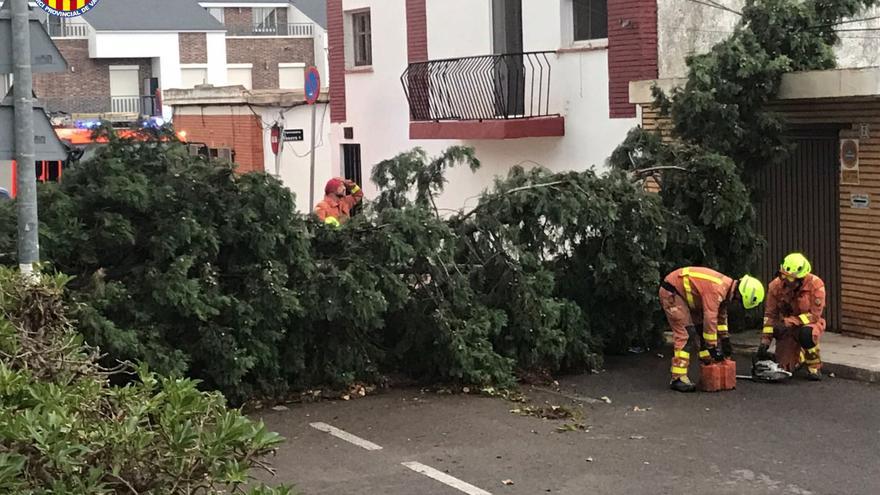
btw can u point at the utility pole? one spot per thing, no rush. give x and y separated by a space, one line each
312 161
28 223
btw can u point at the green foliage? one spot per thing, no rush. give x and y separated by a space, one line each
725 131
179 263
193 269
64 430
723 106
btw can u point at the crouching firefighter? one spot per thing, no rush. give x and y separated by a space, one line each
793 316
695 295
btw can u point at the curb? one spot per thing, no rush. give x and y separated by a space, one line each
843 371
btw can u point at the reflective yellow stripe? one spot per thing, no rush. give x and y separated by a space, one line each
711 337
768 331
805 318
722 328
689 294
683 354
703 276
679 371
686 275
704 354
813 361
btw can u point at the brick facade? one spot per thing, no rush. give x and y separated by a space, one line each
193 48
243 16
632 50
336 55
242 133
266 54
416 30
86 85
237 16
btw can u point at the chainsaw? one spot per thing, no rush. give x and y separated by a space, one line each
766 371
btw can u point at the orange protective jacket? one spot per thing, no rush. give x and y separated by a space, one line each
794 307
338 208
706 293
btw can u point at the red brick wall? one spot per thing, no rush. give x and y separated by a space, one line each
632 50
416 31
88 80
193 48
242 133
266 54
336 44
234 16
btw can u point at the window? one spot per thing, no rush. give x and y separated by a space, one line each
217 13
240 74
265 20
291 76
590 19
363 42
191 77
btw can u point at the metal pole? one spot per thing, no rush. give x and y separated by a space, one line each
312 160
28 224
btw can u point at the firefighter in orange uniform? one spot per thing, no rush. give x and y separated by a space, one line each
793 316
341 196
692 295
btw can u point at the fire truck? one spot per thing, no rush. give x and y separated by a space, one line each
80 141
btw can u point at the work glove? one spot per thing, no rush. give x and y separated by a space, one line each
763 353
726 347
716 354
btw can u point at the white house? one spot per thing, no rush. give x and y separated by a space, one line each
522 81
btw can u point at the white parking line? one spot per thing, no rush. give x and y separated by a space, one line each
445 478
344 435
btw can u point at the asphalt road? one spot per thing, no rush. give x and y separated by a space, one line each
795 438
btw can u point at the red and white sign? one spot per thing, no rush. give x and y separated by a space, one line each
275 138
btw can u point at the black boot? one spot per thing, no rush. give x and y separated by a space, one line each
682 384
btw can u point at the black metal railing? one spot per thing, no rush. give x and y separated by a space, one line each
486 87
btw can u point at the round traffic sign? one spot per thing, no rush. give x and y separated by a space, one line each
313 85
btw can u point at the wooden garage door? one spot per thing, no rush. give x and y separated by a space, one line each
798 210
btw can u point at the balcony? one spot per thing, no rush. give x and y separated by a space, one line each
112 108
295 30
485 97
67 30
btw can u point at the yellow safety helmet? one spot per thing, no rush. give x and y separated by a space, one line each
332 222
752 291
795 266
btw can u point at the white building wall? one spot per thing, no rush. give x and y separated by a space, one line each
216 44
378 111
295 160
163 48
688 28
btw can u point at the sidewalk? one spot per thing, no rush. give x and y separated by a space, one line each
846 357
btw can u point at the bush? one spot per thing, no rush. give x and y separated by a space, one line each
194 270
179 263
64 430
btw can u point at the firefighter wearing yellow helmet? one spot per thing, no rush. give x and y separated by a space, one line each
694 295
793 316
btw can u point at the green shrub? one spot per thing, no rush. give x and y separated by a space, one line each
64 430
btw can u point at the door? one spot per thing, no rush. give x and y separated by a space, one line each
351 167
798 210
351 162
507 37
124 89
